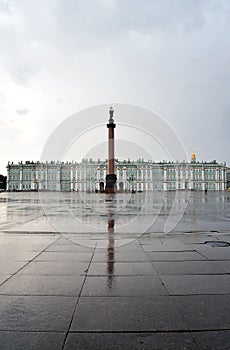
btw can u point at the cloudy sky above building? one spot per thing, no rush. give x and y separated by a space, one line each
58 57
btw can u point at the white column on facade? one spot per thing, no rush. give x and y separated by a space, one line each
75 177
222 174
223 186
117 172
186 178
8 179
191 179
46 178
124 174
36 181
124 178
20 178
223 180
32 183
177 177
58 179
71 179
145 179
151 180
165 180
217 179
80 178
182 179
202 179
142 174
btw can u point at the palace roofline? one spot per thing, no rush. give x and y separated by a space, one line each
117 161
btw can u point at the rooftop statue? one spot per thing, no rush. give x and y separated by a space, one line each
111 111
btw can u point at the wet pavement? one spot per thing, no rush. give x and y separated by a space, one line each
62 287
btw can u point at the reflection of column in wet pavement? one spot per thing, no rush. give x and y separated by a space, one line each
110 251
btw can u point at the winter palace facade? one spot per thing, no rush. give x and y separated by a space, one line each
137 175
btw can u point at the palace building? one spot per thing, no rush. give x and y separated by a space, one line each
140 175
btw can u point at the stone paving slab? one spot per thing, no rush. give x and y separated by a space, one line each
214 253
225 265
121 269
84 241
175 256
224 237
43 285
188 267
131 247
204 312
119 257
3 278
198 238
18 255
71 247
62 240
126 314
127 341
164 245
123 286
27 242
197 284
118 296
10 267
215 340
56 268
64 256
33 313
10 340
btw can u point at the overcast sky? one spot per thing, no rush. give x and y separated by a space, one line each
58 57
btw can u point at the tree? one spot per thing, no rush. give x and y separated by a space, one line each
2 182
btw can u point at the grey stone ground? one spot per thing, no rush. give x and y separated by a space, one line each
157 291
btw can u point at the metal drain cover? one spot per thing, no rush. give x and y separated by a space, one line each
217 243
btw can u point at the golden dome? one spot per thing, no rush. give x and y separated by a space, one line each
193 155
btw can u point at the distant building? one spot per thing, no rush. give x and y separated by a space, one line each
139 175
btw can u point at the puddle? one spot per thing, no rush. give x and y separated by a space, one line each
217 243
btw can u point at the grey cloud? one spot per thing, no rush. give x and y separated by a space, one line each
93 23
5 6
22 111
67 27
171 55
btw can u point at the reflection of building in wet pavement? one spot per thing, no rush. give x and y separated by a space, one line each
140 175
87 213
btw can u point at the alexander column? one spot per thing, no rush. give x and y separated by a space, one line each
110 177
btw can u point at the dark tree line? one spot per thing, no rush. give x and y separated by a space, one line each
2 182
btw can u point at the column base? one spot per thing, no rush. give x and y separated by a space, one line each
110 183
